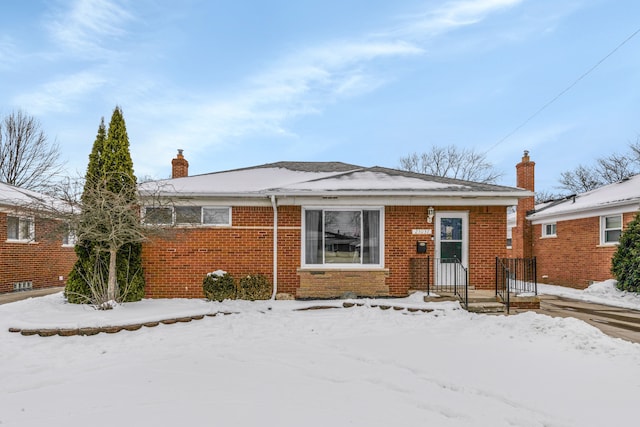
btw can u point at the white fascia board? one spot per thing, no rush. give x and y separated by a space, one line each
222 200
613 209
393 201
516 194
345 198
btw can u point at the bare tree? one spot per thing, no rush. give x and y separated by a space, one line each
27 158
547 196
580 180
452 162
635 149
607 170
109 219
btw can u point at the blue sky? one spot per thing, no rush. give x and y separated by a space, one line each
243 82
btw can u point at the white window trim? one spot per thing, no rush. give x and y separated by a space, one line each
157 224
603 230
32 230
187 225
544 230
325 266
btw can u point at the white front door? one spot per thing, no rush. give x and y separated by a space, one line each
451 245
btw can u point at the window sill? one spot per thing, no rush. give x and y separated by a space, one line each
553 236
608 245
22 242
311 269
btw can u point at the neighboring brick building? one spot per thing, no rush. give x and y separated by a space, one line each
339 229
33 253
574 238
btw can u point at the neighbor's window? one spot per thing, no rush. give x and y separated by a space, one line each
188 215
549 230
20 229
610 229
69 238
342 236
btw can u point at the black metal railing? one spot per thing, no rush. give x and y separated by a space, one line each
449 275
515 275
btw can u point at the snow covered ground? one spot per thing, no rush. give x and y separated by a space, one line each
601 293
271 365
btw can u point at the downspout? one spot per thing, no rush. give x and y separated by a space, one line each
274 205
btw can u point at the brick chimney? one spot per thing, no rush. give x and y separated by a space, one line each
179 166
522 237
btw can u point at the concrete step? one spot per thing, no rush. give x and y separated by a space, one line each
482 299
441 298
486 307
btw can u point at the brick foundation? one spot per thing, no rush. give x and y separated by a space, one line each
325 283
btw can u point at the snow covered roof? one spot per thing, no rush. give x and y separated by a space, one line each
622 196
323 178
11 196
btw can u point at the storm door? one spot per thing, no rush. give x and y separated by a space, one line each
451 246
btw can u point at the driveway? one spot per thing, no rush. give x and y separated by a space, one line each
616 322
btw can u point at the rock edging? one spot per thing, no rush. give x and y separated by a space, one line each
88 331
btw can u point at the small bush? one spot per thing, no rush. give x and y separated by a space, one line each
219 286
255 287
626 260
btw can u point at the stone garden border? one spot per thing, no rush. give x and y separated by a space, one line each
89 331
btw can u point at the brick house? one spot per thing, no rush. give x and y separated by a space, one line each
33 253
321 229
574 238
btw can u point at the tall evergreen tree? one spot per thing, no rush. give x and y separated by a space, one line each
109 172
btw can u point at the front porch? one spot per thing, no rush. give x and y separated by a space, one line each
486 301
515 285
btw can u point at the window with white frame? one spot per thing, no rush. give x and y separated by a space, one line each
610 229
342 236
69 237
188 215
549 230
216 216
158 216
20 229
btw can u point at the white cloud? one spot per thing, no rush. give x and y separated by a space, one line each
87 24
451 16
300 84
8 52
56 95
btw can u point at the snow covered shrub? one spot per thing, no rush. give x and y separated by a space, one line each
626 260
254 287
218 286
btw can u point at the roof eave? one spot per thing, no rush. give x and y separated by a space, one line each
539 217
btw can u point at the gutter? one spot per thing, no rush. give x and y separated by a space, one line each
274 205
543 215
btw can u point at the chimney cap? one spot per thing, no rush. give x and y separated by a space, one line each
180 150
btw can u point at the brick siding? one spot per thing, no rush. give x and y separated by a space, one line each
176 263
575 257
42 262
